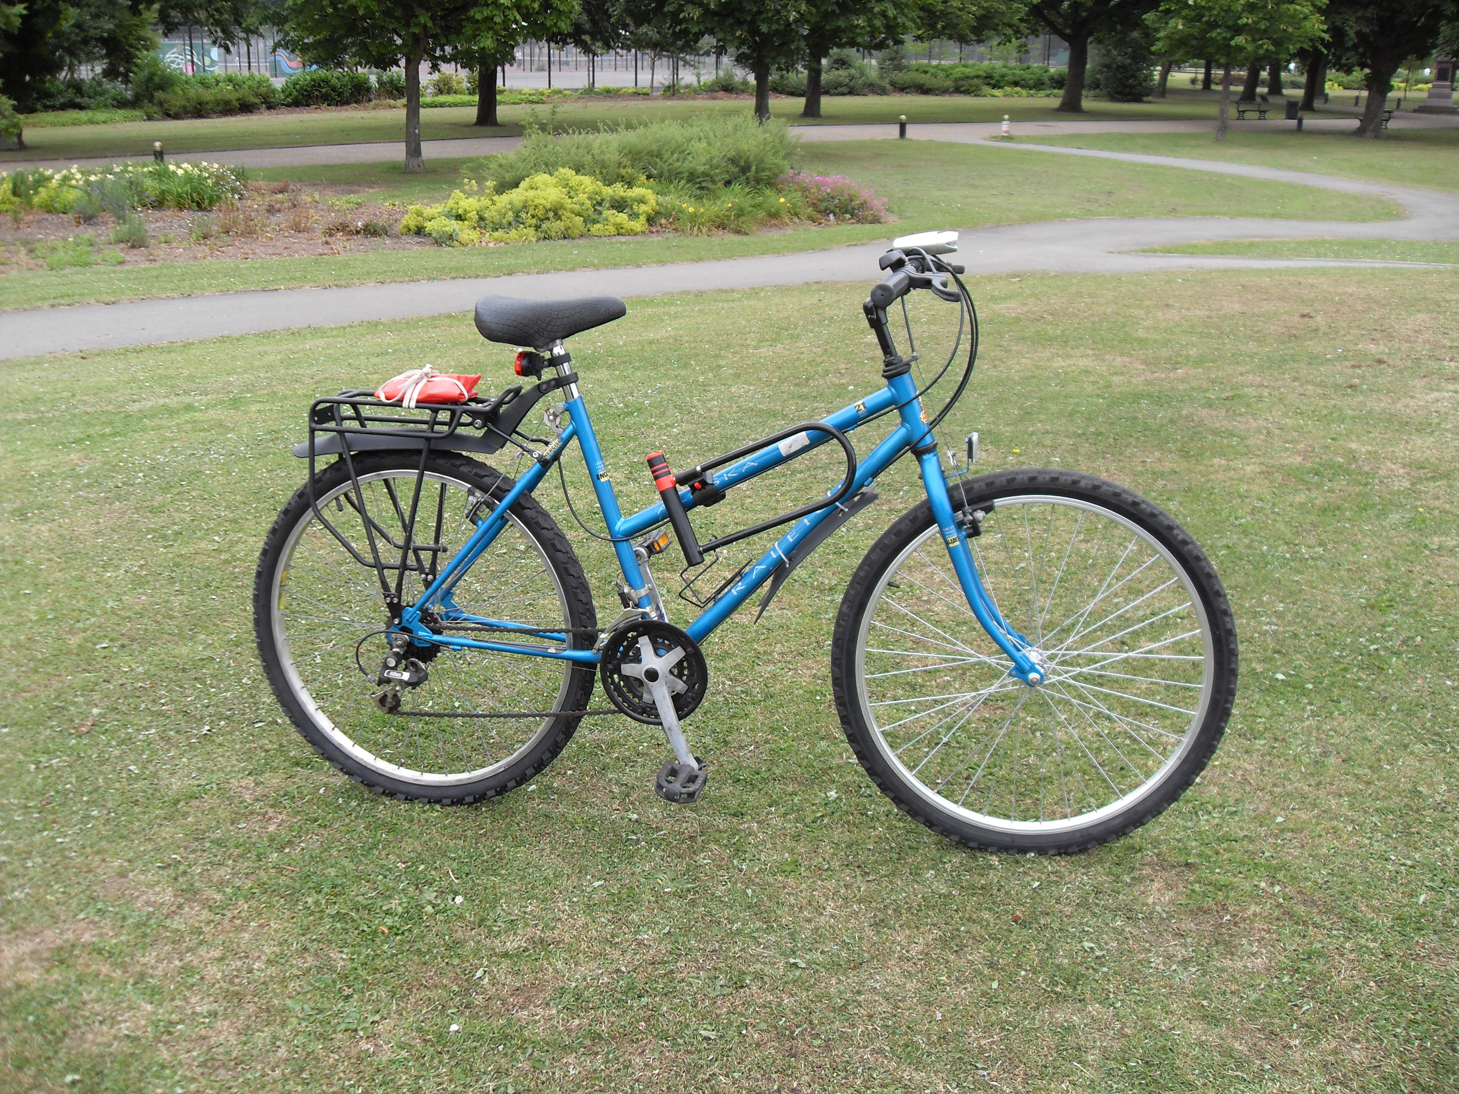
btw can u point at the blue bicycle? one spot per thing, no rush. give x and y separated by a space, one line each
1031 661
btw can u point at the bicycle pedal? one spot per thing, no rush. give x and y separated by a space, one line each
681 783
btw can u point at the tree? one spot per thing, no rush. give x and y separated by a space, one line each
493 36
110 35
1381 36
1234 33
1076 21
837 24
27 58
404 33
761 35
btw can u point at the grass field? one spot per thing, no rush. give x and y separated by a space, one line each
191 900
352 126
1388 250
929 185
1405 157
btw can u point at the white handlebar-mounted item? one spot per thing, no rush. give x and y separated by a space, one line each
934 243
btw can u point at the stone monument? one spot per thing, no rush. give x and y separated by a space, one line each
1441 93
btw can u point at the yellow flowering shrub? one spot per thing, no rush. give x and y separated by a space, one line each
562 205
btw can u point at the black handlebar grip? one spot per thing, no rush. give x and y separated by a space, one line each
891 288
668 490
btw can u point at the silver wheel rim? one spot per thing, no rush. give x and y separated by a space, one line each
1127 643
316 642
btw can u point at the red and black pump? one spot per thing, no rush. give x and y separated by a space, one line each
668 489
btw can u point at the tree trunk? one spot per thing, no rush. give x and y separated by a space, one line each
1253 82
1223 111
1206 79
486 93
812 87
762 92
415 159
1316 66
1380 83
1274 78
1165 67
1073 99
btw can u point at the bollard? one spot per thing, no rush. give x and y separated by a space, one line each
1007 133
157 151
1299 123
902 127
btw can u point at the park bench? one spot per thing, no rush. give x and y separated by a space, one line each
1261 106
1387 117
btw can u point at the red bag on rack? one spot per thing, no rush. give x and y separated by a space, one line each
426 385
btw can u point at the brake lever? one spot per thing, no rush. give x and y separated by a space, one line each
938 284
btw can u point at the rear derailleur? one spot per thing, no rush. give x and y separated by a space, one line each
398 671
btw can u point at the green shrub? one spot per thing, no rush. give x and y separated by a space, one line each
917 82
702 153
845 73
979 77
737 209
152 78
561 205
727 84
130 230
1122 67
212 95
448 83
787 83
390 85
11 126
326 87
76 93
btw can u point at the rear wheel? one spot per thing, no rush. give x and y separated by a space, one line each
482 722
1128 617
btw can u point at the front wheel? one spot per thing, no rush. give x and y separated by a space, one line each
1122 607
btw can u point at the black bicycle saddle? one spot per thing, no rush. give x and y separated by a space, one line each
542 323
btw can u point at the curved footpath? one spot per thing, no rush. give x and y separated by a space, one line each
1064 246
1331 120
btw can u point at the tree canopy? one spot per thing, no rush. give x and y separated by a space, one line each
1235 34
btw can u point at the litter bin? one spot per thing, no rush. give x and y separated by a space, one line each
1292 108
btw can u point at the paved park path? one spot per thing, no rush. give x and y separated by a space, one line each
466 147
1065 246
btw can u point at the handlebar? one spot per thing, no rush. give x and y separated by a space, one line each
905 273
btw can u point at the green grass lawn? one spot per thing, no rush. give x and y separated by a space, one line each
929 185
352 126
190 899
1388 250
1406 157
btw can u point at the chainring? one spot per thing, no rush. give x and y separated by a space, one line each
629 694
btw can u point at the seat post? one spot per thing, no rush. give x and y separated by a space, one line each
561 362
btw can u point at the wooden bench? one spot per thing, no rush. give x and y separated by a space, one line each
1387 117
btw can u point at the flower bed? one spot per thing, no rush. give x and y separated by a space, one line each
125 185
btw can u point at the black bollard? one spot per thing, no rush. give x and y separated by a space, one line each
902 127
157 151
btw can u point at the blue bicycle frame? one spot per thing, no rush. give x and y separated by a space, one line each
911 433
